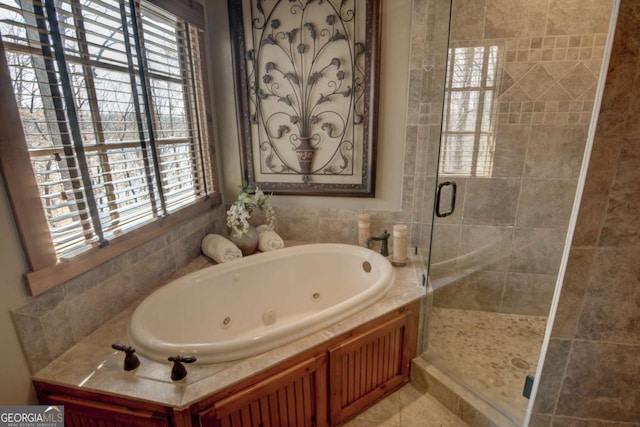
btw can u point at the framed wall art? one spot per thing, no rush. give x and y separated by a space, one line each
306 77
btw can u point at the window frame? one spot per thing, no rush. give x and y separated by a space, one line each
45 270
475 168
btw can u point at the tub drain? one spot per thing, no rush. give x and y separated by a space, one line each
521 364
366 266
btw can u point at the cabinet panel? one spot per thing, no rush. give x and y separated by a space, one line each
83 413
294 397
368 366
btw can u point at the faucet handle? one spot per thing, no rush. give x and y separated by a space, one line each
178 371
131 361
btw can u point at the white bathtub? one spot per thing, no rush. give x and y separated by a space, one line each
254 304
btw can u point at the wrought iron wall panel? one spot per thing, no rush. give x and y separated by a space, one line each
306 92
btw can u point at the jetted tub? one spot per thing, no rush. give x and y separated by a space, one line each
254 304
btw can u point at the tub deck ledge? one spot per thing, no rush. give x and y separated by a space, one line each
92 364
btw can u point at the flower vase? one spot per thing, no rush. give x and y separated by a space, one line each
247 242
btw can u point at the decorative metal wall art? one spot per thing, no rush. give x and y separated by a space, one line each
306 89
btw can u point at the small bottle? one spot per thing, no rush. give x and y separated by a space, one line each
364 228
399 244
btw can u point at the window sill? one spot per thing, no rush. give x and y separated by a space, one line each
42 280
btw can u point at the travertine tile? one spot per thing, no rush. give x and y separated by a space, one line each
595 198
556 92
546 202
574 287
528 294
41 305
467 19
93 308
618 93
552 374
518 69
357 422
491 201
578 80
410 149
484 248
444 242
511 146
622 223
539 420
536 81
521 18
489 353
385 412
33 340
82 283
576 422
610 311
578 16
537 250
609 392
416 95
555 151
471 290
187 248
418 409
57 331
301 226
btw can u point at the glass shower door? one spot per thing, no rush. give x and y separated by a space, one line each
517 100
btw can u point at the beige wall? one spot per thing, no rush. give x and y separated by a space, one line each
328 218
591 370
15 386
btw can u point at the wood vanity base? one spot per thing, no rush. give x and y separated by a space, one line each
323 386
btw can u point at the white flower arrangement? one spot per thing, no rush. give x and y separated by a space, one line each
240 212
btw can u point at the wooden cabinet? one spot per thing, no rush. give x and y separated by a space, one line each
86 409
325 385
366 367
293 397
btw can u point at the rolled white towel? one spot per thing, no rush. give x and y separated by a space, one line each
219 248
269 241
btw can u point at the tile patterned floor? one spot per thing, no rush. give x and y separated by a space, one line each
407 407
489 353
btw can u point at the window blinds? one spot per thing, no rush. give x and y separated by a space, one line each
468 139
111 100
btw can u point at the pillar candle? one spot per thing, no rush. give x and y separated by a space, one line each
364 228
400 242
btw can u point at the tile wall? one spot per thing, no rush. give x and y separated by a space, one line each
509 231
591 371
50 324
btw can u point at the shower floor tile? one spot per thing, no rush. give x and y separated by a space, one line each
489 353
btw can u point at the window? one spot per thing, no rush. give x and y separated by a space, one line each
468 143
111 98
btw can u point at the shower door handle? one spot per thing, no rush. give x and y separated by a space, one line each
454 189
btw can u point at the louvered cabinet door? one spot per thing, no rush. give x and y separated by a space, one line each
94 413
295 397
368 366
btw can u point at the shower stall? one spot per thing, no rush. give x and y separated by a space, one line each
502 94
